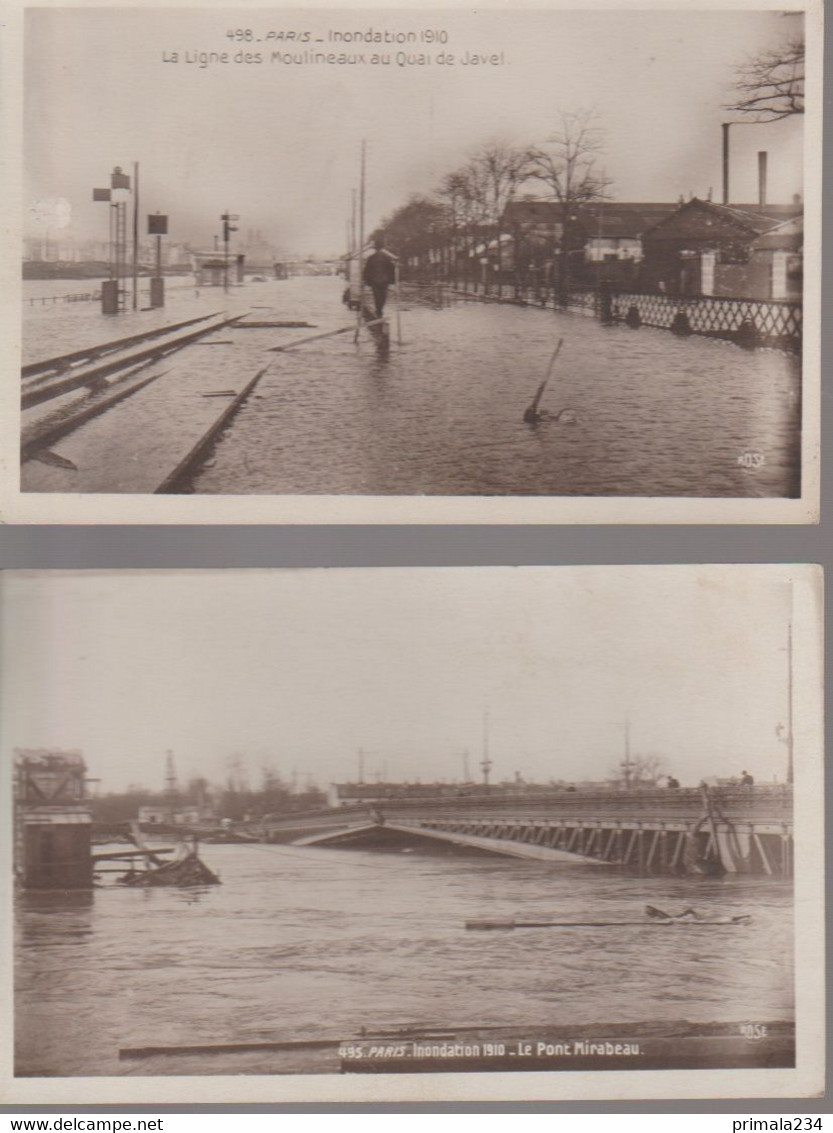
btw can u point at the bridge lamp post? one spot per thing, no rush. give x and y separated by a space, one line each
627 763
486 764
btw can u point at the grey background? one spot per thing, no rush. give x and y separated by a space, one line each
114 547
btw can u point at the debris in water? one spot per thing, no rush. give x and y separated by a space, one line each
188 870
532 414
45 456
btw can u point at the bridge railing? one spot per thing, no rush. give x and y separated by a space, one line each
740 803
737 804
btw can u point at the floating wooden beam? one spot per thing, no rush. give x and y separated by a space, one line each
509 923
127 854
261 325
311 338
226 1048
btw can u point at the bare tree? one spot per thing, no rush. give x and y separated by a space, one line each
464 192
568 167
497 170
641 770
415 230
771 85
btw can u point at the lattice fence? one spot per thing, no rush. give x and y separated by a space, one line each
766 322
750 322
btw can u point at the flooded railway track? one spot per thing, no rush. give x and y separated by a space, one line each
67 398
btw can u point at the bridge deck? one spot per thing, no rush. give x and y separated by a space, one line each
735 829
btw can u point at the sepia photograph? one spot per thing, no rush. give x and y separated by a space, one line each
410 265
413 834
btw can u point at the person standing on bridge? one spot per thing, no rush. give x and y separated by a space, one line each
379 274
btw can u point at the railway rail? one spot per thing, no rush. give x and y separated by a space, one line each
64 361
179 410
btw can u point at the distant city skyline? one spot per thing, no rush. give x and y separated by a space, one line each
300 669
278 142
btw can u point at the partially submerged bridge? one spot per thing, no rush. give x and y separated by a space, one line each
703 830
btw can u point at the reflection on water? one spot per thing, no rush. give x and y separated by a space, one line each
300 943
443 413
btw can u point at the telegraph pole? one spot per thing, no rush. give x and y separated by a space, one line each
135 235
790 702
360 254
486 762
228 227
171 786
627 762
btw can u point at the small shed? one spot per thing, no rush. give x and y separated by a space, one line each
778 256
704 248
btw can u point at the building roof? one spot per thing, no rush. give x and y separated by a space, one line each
532 212
774 212
751 219
623 219
786 237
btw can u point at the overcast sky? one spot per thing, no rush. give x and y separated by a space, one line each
301 668
279 143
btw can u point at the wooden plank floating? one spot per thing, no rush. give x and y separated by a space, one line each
286 1044
312 338
485 926
188 465
227 1048
688 918
261 325
64 361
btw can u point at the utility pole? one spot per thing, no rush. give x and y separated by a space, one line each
228 227
627 763
135 235
790 702
360 253
486 762
171 787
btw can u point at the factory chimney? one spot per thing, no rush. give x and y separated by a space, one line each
761 177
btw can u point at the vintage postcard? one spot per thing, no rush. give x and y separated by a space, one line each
413 834
347 264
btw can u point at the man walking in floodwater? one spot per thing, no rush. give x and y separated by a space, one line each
379 274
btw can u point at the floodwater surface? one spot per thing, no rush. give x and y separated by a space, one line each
301 943
441 413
